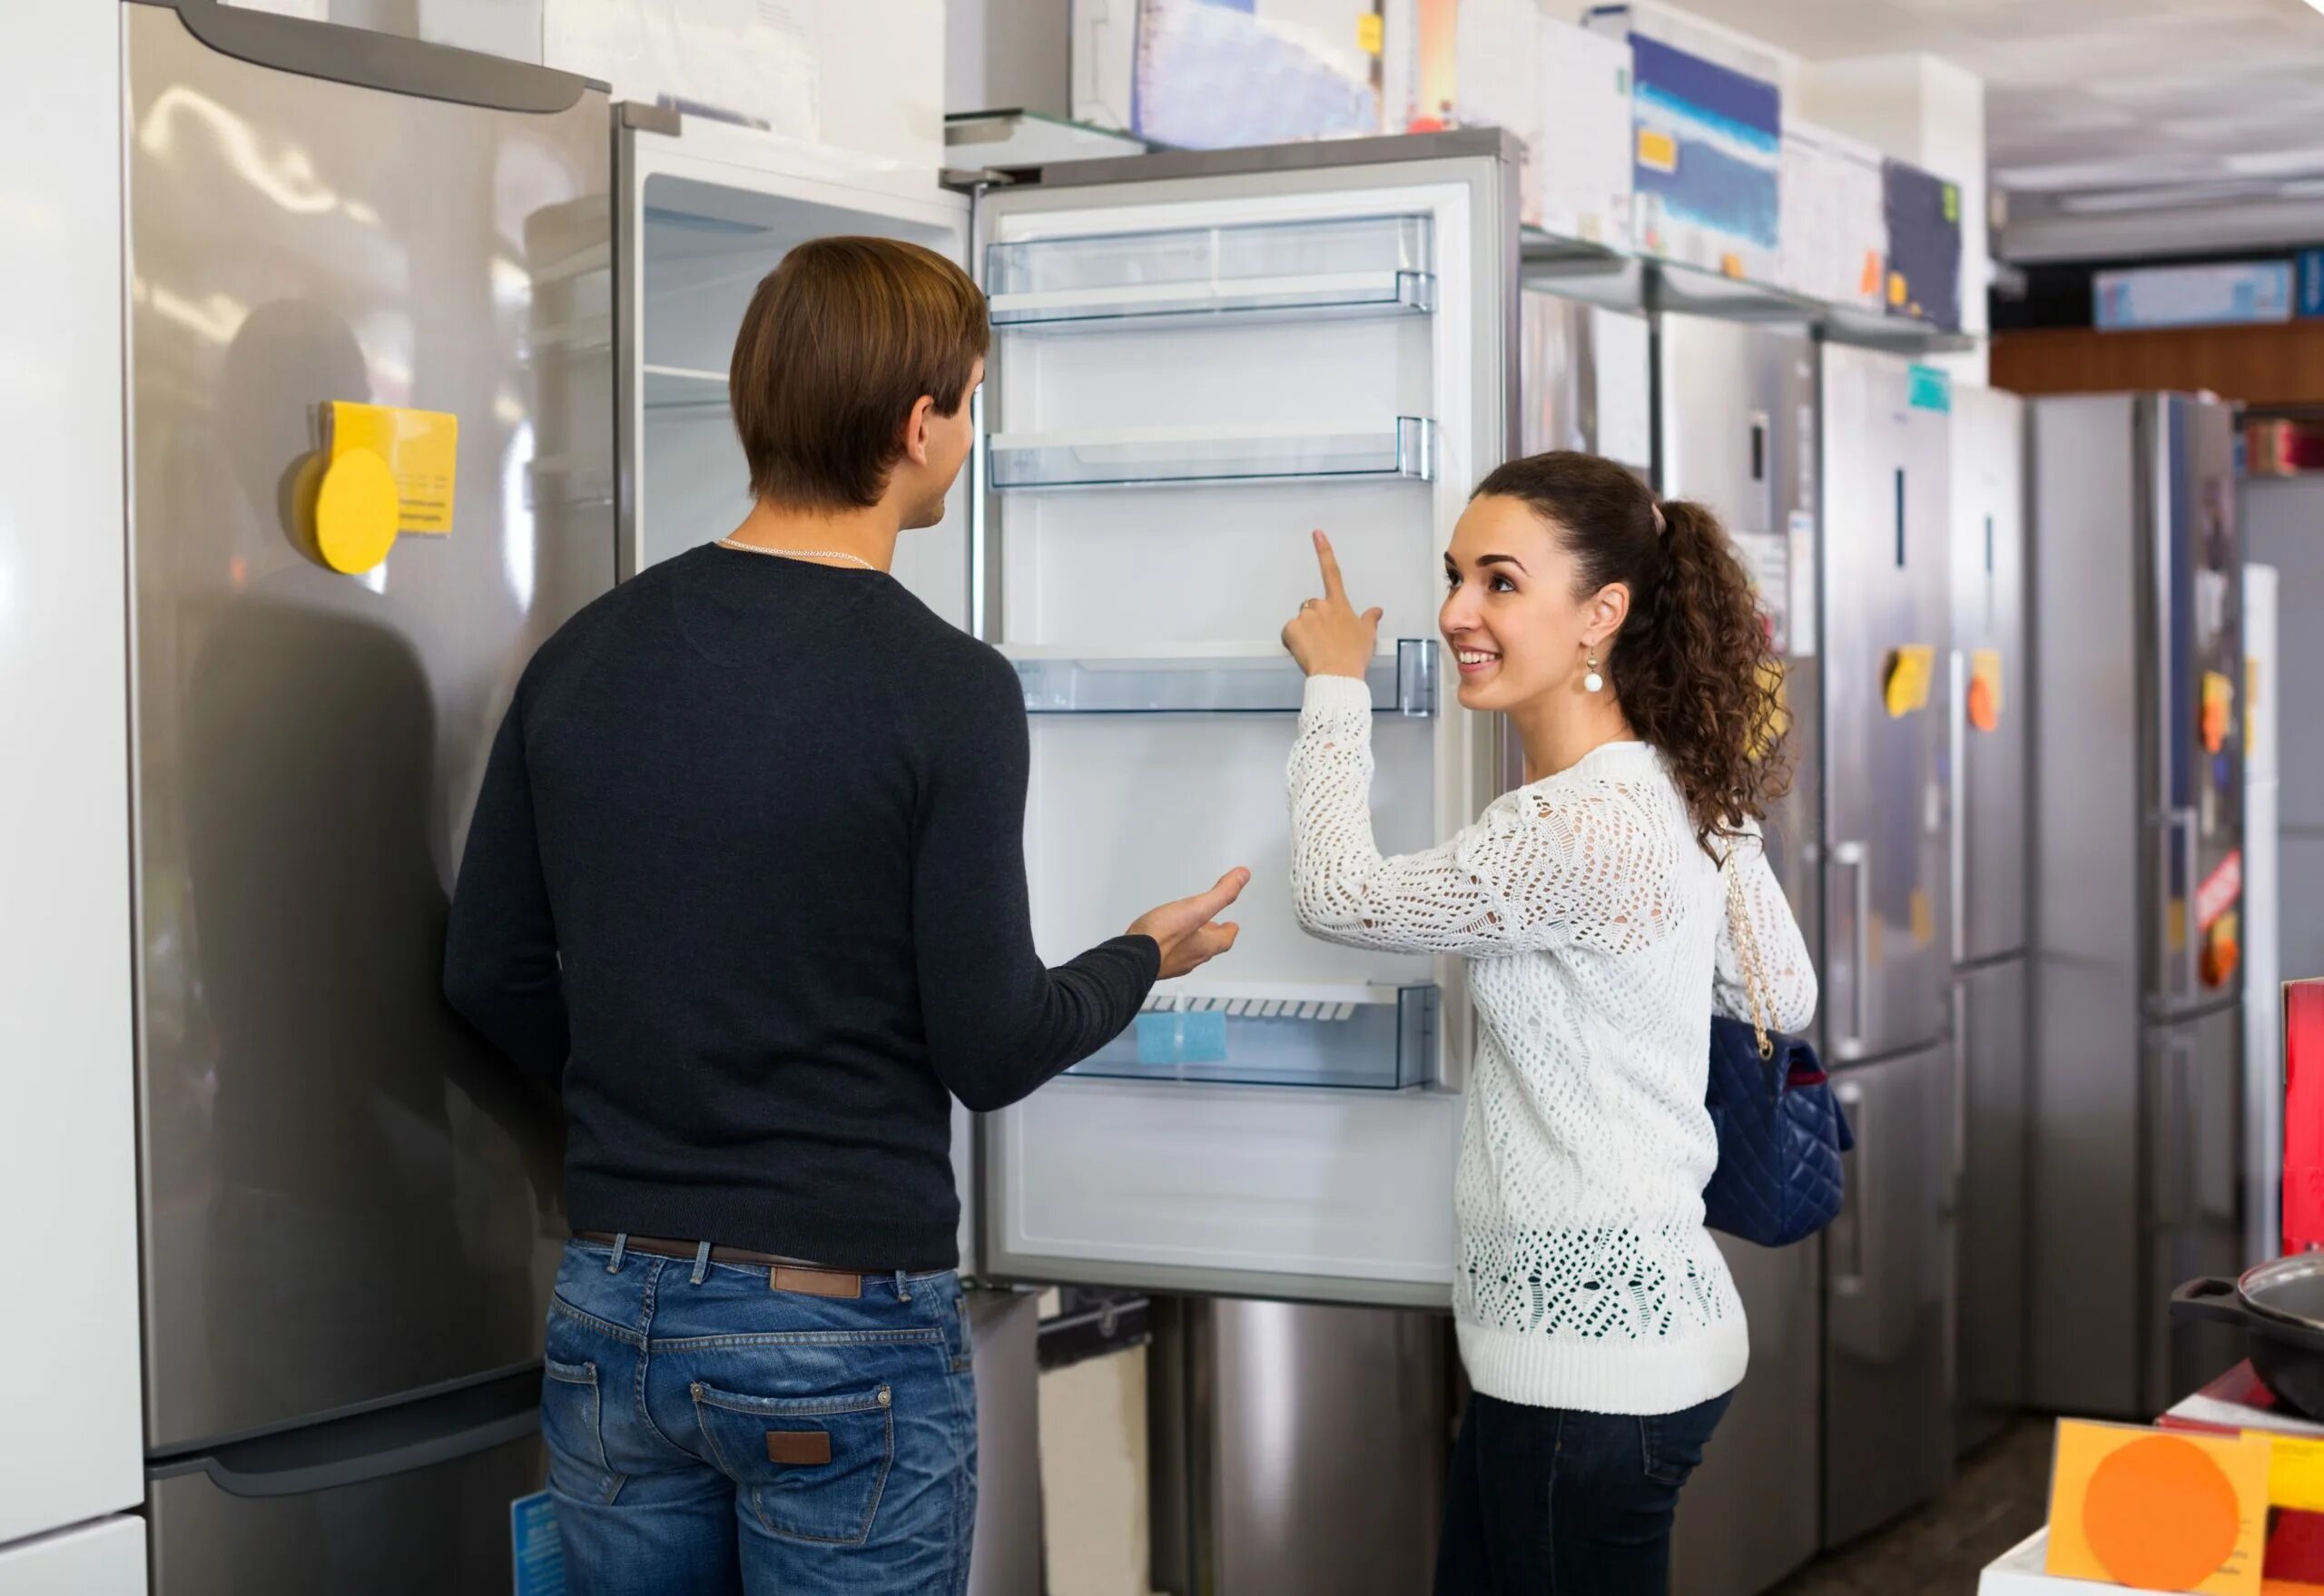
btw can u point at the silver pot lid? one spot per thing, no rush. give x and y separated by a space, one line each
2288 1289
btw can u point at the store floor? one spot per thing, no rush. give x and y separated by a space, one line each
1999 1496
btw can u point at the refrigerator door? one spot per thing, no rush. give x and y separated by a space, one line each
1886 578
2193 1203
703 211
2263 1058
1992 1036
1888 1372
413 1498
1737 412
2194 665
1586 378
1197 356
1752 1507
325 1144
1990 685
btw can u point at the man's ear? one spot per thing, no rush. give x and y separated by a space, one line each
915 430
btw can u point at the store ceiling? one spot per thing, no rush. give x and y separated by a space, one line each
2091 95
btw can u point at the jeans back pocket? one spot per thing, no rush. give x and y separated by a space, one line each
811 1467
572 1423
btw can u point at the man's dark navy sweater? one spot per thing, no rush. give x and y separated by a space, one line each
746 881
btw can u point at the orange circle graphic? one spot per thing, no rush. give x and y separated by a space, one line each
2160 1515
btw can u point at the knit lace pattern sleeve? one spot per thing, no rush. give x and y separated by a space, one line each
1573 859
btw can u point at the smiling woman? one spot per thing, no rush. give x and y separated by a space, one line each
1600 908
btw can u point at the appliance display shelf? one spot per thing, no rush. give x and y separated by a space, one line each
1210 679
1404 449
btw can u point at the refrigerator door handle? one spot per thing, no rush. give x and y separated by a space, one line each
1847 1253
1958 782
2175 967
1852 856
2179 1094
1960 1088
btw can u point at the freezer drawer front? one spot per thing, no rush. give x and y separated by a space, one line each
1751 1510
1191 342
103 1559
1888 1395
2194 1079
1886 577
443 1531
1990 687
1992 1040
325 1143
1252 1191
2195 644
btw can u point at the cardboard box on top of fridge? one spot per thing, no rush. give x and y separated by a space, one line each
1924 224
1834 230
1581 169
1211 74
1706 113
835 72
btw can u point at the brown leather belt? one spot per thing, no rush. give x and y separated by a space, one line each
782 1274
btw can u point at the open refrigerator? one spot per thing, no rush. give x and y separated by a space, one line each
1197 358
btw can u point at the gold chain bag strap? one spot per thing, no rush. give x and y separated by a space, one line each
1747 949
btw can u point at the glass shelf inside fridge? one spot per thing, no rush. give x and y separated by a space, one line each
1201 679
1375 1038
1339 267
1404 447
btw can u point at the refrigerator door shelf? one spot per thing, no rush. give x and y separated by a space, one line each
1373 1037
1340 266
1157 456
1195 680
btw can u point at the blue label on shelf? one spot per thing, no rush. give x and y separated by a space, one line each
2310 266
1932 389
1196 1037
537 1554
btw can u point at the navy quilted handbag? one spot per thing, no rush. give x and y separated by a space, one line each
1781 1129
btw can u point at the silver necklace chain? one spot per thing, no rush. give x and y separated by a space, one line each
798 554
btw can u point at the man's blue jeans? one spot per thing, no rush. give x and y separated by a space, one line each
710 1435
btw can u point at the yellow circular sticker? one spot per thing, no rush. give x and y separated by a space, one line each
354 512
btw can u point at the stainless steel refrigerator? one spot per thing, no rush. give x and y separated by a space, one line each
350 1212
1735 407
1987 703
2138 784
1887 967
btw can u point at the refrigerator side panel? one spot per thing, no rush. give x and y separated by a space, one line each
2194 638
1990 681
69 1399
2263 1077
326 1143
1888 1297
2085 1197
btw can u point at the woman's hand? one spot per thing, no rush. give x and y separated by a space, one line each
1327 637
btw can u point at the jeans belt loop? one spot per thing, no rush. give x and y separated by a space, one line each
701 1262
621 1245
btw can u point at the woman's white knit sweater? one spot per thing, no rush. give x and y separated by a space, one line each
1597 936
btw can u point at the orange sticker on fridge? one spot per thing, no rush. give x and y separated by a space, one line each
2158 1510
1983 707
2219 709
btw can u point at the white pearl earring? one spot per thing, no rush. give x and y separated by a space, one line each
1593 681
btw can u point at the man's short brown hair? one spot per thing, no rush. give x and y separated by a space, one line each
841 340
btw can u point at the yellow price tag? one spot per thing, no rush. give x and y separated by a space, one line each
1907 680
2295 1474
1370 34
1896 288
421 449
1983 709
1657 151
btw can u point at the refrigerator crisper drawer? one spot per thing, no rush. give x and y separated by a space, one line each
1358 266
1372 1037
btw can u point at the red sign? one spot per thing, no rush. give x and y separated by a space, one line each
2303 1195
2220 891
